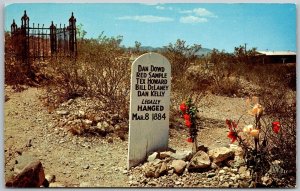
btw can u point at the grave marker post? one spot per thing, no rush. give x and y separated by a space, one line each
149 106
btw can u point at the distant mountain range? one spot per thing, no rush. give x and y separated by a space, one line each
204 51
201 52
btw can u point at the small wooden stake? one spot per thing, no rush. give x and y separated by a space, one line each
195 146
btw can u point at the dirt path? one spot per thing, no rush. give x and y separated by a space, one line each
32 132
88 161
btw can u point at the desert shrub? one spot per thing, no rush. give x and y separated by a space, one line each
242 55
224 78
274 81
16 71
279 101
280 104
19 70
66 80
180 56
101 70
283 147
228 86
269 144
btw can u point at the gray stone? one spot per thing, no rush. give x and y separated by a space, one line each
185 155
50 178
97 119
238 161
156 173
156 162
221 178
87 122
238 151
210 175
178 165
149 171
117 127
244 184
62 112
222 171
252 184
152 183
171 171
80 114
133 183
104 126
29 144
225 185
199 161
70 101
86 166
220 154
165 154
163 169
267 180
100 126
214 166
152 157
233 178
242 169
244 173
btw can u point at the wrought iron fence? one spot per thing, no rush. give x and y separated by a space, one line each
40 42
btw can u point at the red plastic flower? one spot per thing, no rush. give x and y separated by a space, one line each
187 117
231 124
183 107
276 126
190 140
188 123
232 135
234 124
228 122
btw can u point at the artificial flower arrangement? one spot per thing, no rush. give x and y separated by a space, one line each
256 153
189 111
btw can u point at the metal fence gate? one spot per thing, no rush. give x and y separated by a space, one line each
40 42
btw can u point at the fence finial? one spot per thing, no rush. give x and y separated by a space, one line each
39 37
13 27
25 16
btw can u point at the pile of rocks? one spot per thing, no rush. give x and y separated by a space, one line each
218 167
83 116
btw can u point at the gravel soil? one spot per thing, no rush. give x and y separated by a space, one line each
34 132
